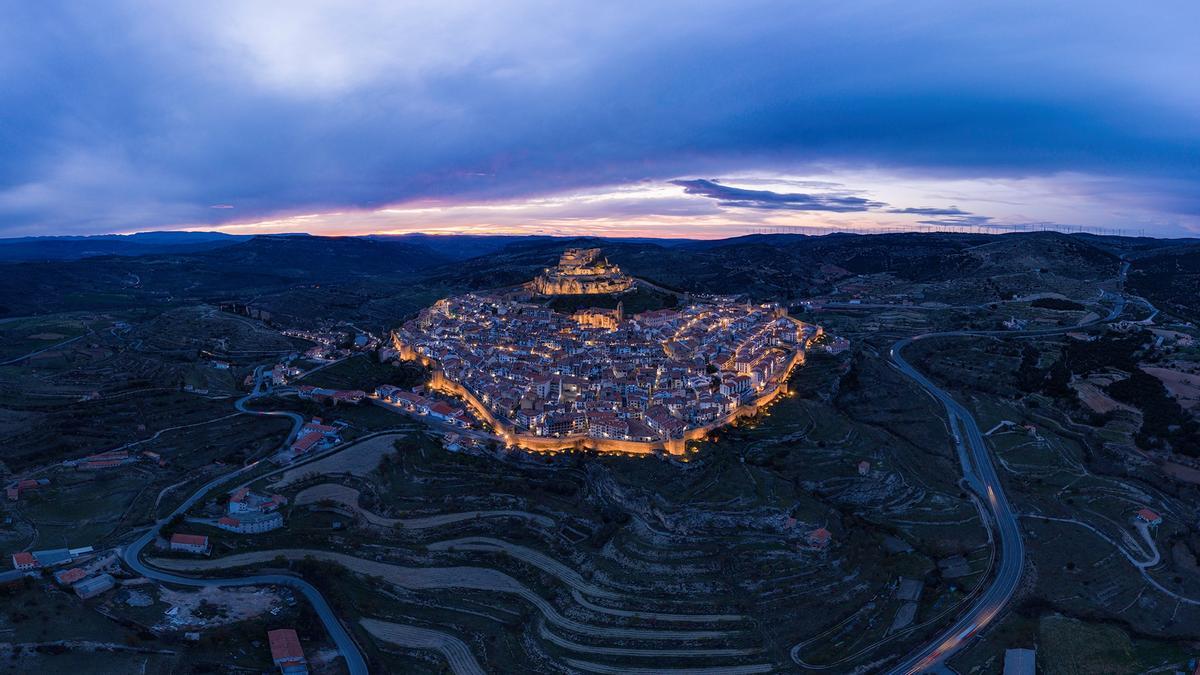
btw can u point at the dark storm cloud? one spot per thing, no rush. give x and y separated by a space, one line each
766 199
126 115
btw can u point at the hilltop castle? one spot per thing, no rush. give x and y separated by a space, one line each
582 271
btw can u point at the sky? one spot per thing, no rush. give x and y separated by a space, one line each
657 119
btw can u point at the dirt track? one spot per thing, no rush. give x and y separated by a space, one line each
462 662
428 578
348 497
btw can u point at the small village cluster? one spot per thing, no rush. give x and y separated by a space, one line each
333 344
247 512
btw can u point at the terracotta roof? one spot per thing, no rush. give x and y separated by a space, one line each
1148 515
189 539
307 441
102 464
285 645
24 558
68 577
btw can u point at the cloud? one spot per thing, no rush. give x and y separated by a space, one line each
766 199
960 221
303 107
931 211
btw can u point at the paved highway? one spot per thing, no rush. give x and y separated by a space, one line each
131 555
980 474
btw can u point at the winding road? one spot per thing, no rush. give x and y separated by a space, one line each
980 474
131 554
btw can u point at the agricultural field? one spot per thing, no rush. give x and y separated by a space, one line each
529 534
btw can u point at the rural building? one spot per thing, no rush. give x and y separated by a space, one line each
307 442
313 435
1149 517
69 576
103 460
819 538
24 561
190 543
90 588
52 557
286 651
251 523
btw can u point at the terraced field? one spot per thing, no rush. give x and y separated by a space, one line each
583 564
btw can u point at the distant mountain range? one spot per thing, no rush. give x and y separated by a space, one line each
144 243
457 247
386 276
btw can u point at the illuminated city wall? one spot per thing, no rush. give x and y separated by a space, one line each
512 436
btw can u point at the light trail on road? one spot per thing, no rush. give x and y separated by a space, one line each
980 474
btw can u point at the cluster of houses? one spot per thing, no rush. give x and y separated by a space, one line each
313 436
86 584
648 377
282 373
26 560
414 402
252 513
331 344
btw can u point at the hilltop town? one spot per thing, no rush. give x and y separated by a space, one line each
656 377
448 468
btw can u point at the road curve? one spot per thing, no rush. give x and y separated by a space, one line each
980 474
260 389
131 556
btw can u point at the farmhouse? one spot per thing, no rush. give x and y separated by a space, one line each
190 543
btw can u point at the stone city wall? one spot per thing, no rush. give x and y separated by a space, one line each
511 435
